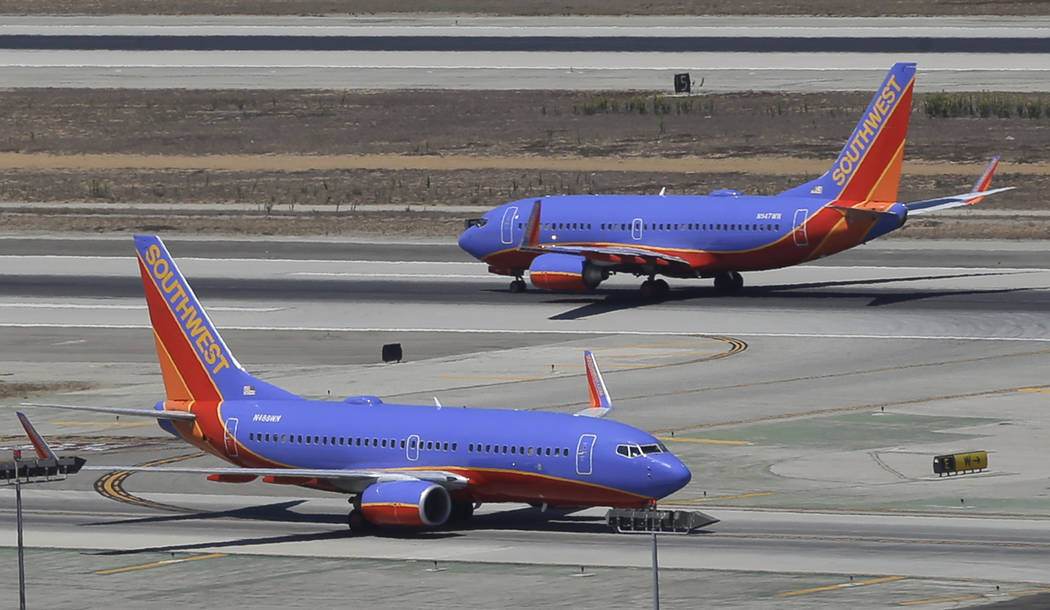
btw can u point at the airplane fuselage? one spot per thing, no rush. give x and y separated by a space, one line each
725 231
508 456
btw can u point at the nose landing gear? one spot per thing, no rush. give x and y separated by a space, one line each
654 289
728 282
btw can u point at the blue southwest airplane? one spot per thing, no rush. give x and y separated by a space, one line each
574 242
401 465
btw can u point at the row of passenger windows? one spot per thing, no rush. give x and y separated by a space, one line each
517 450
352 441
661 226
360 441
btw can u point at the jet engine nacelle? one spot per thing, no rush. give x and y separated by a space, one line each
565 272
406 503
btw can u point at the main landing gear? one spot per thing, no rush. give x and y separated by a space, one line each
728 282
356 519
518 285
654 289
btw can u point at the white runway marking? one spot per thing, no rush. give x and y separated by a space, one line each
520 331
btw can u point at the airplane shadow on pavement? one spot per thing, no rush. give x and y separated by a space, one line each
618 300
521 519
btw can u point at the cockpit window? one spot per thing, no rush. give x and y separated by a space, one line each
630 451
475 222
657 448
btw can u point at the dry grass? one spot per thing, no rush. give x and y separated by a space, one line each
25 390
271 146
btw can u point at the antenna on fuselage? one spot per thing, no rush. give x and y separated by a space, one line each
662 191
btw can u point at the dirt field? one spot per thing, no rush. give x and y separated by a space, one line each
348 150
540 7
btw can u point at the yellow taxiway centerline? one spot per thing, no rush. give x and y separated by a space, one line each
713 441
844 585
157 564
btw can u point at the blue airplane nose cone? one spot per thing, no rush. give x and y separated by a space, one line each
470 240
670 474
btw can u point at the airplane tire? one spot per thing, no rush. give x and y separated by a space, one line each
662 288
357 522
517 286
648 289
728 282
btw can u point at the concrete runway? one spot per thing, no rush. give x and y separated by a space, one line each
808 408
729 54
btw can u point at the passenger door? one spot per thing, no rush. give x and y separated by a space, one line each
506 232
801 239
412 448
229 437
584 453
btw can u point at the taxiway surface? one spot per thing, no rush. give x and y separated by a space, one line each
808 408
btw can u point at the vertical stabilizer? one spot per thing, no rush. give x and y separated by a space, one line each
869 166
195 362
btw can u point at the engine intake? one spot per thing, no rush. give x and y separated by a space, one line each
406 504
565 272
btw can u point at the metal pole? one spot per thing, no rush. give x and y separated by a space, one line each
656 576
21 559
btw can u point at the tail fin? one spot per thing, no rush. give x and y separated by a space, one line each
43 450
600 404
194 360
869 166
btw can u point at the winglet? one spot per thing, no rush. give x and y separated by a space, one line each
601 404
985 180
43 450
530 238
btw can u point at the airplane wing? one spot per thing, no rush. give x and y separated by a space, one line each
530 242
179 415
977 193
350 480
601 403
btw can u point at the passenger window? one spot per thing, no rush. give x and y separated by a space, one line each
547 451
565 451
445 447
284 438
504 449
453 446
530 450
488 448
383 444
402 443
430 445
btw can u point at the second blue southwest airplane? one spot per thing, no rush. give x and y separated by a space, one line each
401 465
574 242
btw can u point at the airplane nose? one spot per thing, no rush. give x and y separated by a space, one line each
468 241
671 474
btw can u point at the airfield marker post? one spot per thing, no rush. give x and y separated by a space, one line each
18 519
656 575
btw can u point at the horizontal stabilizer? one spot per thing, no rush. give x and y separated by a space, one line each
954 201
977 193
157 414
